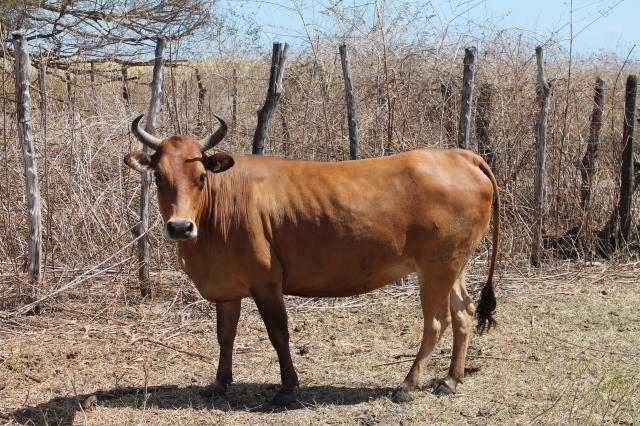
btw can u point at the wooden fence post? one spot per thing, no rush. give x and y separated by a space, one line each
25 135
467 97
483 121
71 98
69 82
144 247
126 93
626 172
186 100
94 90
588 164
275 91
234 106
202 93
351 103
92 79
544 91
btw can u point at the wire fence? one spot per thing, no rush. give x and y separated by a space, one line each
89 195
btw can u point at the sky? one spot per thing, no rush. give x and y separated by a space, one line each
598 25
610 25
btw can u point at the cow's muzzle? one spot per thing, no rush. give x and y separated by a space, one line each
180 229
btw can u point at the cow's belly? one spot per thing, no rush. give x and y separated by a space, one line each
341 282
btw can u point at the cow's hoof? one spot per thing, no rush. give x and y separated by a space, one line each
444 389
282 399
400 396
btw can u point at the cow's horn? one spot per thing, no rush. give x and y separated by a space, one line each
144 137
215 138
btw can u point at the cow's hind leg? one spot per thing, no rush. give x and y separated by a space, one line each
270 303
434 289
227 315
462 311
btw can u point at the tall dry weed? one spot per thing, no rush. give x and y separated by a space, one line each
407 98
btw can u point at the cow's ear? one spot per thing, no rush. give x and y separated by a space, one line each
219 162
138 160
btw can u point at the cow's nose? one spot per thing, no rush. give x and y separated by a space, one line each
180 229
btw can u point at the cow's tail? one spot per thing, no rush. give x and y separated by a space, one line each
487 302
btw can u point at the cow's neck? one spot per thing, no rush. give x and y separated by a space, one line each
216 209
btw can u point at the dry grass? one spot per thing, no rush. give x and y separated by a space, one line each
90 199
565 352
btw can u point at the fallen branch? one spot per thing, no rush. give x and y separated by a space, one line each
499 358
90 273
28 307
182 351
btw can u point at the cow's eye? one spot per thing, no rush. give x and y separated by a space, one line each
157 177
203 177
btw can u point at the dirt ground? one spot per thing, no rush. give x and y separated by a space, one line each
565 351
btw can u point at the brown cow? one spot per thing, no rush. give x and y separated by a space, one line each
261 227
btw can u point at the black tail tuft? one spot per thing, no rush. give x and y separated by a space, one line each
484 310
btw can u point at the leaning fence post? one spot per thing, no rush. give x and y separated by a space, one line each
626 172
467 97
144 247
351 103
544 91
25 135
275 91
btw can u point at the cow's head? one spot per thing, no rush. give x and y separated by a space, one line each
182 170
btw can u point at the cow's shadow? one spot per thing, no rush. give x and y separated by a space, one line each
240 397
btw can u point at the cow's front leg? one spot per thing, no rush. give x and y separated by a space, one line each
227 315
270 303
